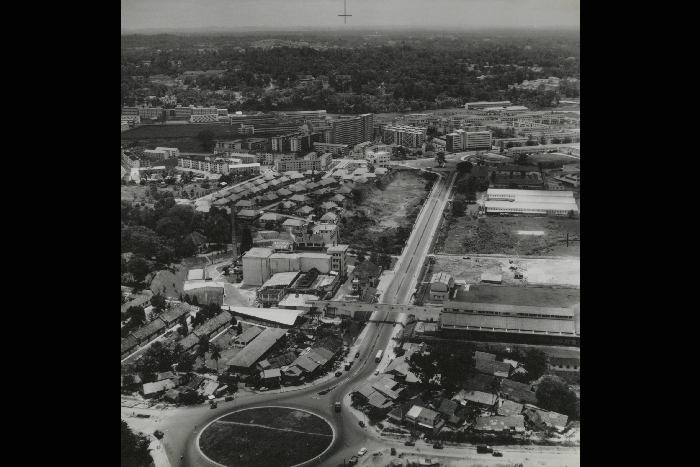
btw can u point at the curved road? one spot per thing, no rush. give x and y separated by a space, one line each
181 434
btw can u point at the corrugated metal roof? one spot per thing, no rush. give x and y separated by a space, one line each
282 278
254 350
248 334
512 205
508 309
510 192
507 323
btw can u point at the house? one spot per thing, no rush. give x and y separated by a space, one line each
481 382
271 378
304 211
511 424
542 419
171 316
338 199
492 367
507 408
265 343
329 217
245 204
365 275
484 356
565 364
214 325
128 345
165 375
398 415
156 389
447 407
248 215
295 226
478 399
517 392
270 217
148 332
197 239
423 417
441 284
328 205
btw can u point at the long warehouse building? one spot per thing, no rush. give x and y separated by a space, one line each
529 202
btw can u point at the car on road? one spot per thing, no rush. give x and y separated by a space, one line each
228 398
353 460
338 373
438 446
497 454
213 405
483 449
362 424
357 354
361 452
263 389
376 372
409 443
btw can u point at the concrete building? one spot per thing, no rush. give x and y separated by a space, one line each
339 150
412 137
477 140
528 208
311 161
485 105
260 264
378 159
352 130
441 284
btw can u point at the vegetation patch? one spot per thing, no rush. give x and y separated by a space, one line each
266 437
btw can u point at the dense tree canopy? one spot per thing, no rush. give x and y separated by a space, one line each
447 364
135 451
555 395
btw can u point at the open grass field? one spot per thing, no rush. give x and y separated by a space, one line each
172 281
500 235
563 272
265 437
182 137
554 157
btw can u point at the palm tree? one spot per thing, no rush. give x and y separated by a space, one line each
216 355
203 349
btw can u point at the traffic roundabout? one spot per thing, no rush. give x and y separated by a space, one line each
270 436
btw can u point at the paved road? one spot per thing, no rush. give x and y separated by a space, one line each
180 432
408 267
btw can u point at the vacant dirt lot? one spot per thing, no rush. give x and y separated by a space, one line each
564 272
532 296
500 235
391 207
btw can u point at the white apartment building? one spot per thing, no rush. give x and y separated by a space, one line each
169 152
206 111
342 150
404 135
154 154
207 118
477 140
378 159
311 161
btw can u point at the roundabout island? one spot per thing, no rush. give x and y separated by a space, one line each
265 437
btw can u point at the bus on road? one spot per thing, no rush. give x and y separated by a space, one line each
379 356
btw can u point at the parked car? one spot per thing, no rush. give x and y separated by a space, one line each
357 354
376 372
338 373
353 460
362 424
228 398
263 389
497 454
409 443
438 446
362 452
213 405
483 449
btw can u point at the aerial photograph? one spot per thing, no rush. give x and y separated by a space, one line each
350 233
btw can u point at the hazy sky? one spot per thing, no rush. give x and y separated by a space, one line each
147 14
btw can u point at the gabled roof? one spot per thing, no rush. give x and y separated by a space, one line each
484 355
366 269
151 388
252 352
294 223
305 210
447 407
497 424
329 216
492 367
508 408
151 328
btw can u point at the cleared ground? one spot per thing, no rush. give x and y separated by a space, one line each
182 136
266 437
565 272
500 235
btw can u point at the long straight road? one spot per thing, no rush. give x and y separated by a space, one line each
182 428
407 269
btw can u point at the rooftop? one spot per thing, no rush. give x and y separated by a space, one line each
275 315
254 350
